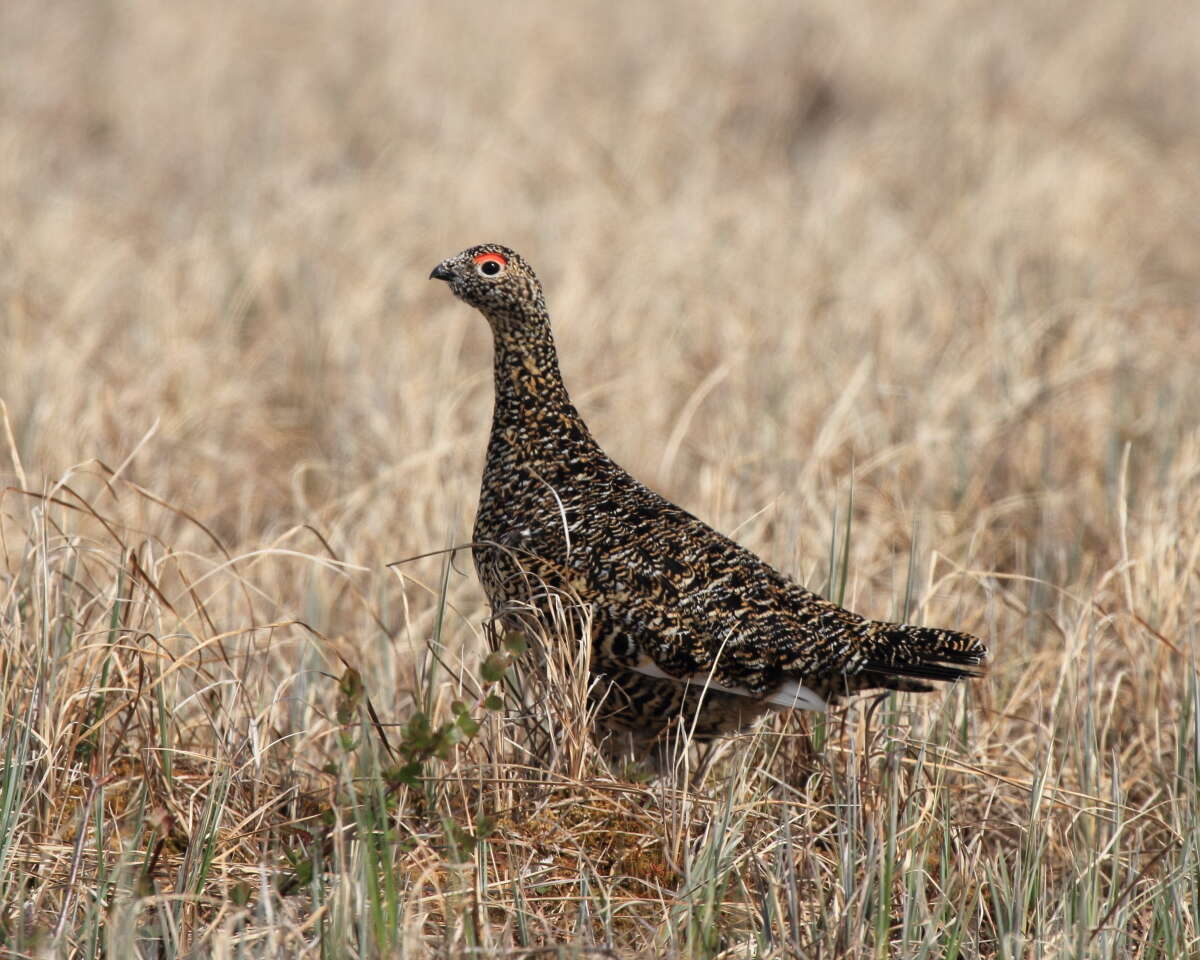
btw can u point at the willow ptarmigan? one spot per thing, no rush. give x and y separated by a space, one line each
686 624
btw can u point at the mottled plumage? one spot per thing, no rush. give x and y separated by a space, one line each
685 621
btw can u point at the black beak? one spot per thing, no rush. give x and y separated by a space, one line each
440 272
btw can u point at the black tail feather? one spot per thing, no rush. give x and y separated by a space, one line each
922 671
904 655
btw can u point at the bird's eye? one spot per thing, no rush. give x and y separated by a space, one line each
490 264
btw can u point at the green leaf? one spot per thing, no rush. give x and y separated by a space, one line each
494 666
418 734
493 702
350 695
468 725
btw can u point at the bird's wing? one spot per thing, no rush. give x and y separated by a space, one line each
704 609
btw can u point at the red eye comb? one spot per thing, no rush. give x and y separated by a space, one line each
484 257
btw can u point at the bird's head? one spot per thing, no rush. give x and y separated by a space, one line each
493 279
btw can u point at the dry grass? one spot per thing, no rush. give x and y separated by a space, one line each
948 254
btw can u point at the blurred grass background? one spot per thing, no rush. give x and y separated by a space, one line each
946 252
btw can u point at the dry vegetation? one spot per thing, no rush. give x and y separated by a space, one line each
944 256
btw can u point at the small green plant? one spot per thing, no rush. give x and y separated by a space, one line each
423 740
371 800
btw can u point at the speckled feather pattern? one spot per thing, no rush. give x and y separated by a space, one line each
667 593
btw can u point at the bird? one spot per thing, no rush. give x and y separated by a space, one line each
687 626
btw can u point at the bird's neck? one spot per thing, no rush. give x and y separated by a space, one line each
531 400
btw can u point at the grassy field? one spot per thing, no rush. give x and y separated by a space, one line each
902 296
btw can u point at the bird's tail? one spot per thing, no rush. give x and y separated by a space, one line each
903 657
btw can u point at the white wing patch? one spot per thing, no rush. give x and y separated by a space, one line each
792 695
